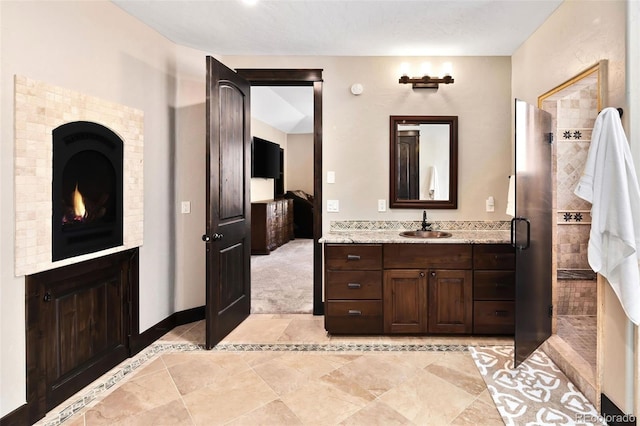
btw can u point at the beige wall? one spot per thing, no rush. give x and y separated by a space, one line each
576 36
95 48
299 165
356 129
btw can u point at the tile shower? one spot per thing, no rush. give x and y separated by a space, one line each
574 111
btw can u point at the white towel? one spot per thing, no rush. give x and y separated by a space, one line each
434 186
511 197
610 183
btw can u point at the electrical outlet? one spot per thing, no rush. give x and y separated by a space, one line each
490 204
382 205
186 207
333 206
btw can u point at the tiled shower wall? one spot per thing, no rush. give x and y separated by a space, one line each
40 108
575 116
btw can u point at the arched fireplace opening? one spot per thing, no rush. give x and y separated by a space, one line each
87 189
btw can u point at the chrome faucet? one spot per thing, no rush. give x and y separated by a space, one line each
425 226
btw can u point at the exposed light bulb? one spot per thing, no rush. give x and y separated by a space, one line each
447 69
425 69
404 69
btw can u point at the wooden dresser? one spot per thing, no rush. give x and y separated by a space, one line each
271 225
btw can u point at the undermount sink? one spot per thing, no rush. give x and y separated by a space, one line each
425 234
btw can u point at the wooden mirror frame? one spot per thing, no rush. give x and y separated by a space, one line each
452 201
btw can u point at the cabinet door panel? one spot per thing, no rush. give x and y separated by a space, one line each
450 301
405 301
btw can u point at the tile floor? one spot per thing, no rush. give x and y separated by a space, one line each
580 332
285 370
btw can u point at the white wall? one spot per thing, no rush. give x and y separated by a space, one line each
356 129
576 36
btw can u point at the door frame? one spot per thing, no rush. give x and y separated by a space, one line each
303 77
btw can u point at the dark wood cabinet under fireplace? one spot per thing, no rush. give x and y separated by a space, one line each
78 326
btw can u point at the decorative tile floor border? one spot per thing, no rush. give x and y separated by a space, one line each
124 370
452 225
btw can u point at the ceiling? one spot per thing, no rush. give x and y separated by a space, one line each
343 28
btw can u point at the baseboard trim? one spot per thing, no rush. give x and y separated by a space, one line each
613 415
18 417
140 341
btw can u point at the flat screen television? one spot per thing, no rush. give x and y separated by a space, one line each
265 159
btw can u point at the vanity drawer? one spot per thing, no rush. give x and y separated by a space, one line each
494 256
495 317
494 285
361 257
353 284
353 317
426 256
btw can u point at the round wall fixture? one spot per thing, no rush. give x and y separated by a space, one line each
357 89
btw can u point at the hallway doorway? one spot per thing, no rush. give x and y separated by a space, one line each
312 78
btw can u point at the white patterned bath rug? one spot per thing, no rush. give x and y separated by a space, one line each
535 393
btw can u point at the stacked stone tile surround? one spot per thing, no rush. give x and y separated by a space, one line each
40 108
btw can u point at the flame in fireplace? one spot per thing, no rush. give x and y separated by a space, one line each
78 205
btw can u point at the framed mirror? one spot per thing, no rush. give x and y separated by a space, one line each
423 171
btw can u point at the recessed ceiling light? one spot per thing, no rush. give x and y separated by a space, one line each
250 2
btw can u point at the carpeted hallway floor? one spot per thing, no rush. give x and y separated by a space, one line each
282 282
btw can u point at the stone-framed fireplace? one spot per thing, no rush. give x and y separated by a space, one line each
39 109
78 176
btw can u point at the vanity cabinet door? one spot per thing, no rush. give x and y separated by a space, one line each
450 301
405 301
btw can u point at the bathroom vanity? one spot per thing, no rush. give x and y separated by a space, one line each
383 283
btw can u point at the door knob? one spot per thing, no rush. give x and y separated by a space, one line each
217 237
206 238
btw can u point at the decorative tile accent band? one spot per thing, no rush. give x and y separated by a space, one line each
117 375
373 225
40 108
574 217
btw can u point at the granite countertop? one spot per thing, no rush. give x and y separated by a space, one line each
393 236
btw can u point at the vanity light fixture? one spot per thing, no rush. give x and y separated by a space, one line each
426 81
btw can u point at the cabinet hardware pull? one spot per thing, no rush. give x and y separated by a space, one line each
353 285
354 312
353 257
433 274
47 297
501 313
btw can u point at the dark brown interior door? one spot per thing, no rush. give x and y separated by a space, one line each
408 164
228 227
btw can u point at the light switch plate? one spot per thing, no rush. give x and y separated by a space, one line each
382 205
331 177
333 206
186 207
